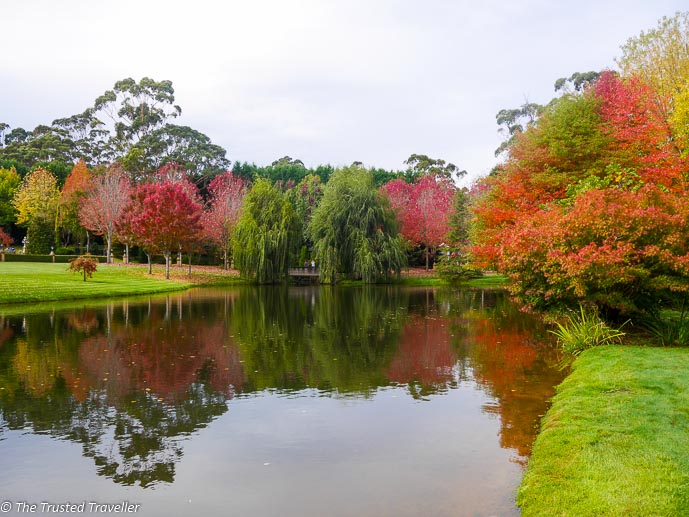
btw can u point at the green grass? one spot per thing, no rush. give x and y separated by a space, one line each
30 282
615 440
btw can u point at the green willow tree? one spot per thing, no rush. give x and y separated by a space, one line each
267 231
354 230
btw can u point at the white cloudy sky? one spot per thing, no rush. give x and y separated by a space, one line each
327 81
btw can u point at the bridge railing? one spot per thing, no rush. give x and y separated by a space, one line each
303 271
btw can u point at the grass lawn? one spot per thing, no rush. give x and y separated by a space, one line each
25 282
616 439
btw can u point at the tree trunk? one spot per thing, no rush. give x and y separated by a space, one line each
126 254
225 264
150 264
108 257
427 253
190 264
167 265
88 243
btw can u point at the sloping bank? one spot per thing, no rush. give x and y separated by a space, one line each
616 439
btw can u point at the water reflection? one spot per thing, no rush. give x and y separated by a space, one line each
130 380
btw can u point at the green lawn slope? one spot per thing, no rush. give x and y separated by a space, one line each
30 282
616 439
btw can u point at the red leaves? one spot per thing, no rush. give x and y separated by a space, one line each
633 115
5 240
609 247
227 192
423 208
166 217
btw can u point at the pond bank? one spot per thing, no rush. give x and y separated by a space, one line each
614 441
30 282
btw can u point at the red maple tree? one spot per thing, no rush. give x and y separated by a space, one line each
423 209
227 192
167 218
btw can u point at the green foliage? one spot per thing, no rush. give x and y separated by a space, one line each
58 259
420 165
9 184
585 330
459 219
189 148
615 176
515 121
266 233
579 80
670 327
286 172
455 267
354 230
40 236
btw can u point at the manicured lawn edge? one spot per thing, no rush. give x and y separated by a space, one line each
615 440
23 282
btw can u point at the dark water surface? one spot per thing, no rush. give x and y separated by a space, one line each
268 401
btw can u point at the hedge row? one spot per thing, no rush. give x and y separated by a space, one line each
61 259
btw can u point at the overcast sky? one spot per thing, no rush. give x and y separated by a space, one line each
326 81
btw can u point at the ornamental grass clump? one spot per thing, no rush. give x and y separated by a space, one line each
585 330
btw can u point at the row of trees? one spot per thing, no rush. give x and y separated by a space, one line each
590 203
347 224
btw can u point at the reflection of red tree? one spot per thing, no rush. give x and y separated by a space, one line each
163 357
84 321
424 354
518 372
5 334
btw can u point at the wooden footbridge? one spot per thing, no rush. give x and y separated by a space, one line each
303 272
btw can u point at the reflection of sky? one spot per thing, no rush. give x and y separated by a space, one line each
307 455
438 424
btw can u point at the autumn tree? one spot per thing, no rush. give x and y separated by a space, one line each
75 188
354 230
5 240
169 218
266 233
36 203
104 204
226 193
423 209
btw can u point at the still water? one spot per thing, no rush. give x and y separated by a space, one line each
268 401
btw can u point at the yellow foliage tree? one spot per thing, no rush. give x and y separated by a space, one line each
661 57
37 197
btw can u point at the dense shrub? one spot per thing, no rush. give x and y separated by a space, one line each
627 252
59 259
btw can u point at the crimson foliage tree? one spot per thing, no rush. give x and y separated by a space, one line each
423 209
227 192
168 218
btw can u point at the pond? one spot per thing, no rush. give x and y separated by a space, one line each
274 401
